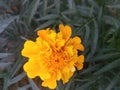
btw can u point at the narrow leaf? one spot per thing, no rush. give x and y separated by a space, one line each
109 66
32 10
4 23
45 25
3 55
33 85
24 87
113 82
107 56
48 17
17 78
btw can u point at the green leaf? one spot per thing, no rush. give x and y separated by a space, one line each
108 67
86 85
114 6
57 5
90 69
3 55
17 65
4 23
48 23
107 56
2 64
94 41
2 75
32 10
33 85
17 78
113 82
48 17
26 87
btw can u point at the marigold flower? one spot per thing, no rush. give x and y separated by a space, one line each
53 56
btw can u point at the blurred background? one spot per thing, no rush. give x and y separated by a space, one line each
97 22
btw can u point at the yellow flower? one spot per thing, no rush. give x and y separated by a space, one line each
53 56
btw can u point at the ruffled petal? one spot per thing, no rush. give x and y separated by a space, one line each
42 34
31 68
79 63
79 47
76 43
30 49
66 31
51 83
66 76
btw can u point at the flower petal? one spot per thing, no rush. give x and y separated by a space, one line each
31 68
76 43
79 47
42 34
66 76
79 63
51 83
66 31
30 49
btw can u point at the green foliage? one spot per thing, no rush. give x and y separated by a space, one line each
96 21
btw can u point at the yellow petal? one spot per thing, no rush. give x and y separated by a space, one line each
76 40
66 76
79 63
58 75
51 83
30 49
69 50
42 34
73 69
66 31
79 47
79 66
31 68
44 75
76 43
81 59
